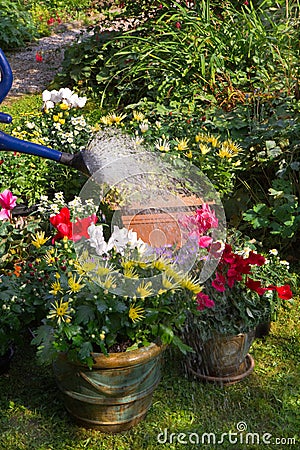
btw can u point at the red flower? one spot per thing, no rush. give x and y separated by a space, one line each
219 282
255 286
80 227
178 25
255 259
284 292
203 301
66 228
50 21
38 57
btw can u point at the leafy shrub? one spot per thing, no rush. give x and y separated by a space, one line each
16 25
200 54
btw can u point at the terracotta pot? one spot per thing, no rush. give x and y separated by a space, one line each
225 356
116 394
160 226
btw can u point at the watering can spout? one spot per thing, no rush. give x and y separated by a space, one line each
10 143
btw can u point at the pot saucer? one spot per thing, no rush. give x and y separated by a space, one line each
232 379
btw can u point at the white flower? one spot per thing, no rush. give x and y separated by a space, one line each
77 102
144 127
285 263
55 96
273 251
96 239
46 95
48 105
162 145
65 94
30 125
122 238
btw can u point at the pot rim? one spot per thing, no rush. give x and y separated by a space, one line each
123 359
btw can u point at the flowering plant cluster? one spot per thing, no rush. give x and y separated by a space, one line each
220 159
248 288
60 125
97 294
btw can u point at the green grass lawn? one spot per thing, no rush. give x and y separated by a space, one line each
268 401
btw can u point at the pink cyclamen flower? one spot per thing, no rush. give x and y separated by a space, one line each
7 203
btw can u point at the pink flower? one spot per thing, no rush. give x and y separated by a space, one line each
219 282
178 25
204 241
7 203
203 301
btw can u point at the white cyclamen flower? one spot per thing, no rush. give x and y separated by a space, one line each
96 239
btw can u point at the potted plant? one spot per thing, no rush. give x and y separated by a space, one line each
113 306
248 288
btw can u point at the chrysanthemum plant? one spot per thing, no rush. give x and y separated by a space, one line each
106 295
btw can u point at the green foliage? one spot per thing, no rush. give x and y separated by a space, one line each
16 25
66 130
185 52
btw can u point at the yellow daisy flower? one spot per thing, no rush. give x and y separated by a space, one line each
138 116
204 149
39 239
136 313
56 288
191 285
144 289
60 311
182 144
74 284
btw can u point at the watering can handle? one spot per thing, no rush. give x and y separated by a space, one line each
6 76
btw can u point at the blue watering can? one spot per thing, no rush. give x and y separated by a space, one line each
8 142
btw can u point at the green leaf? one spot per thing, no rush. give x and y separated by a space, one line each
84 314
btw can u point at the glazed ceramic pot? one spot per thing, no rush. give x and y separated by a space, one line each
116 393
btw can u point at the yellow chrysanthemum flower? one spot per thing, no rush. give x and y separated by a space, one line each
168 283
162 145
74 284
160 264
204 149
130 273
56 288
109 282
138 116
182 144
214 141
136 313
60 311
85 267
39 239
50 257
144 289
191 285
